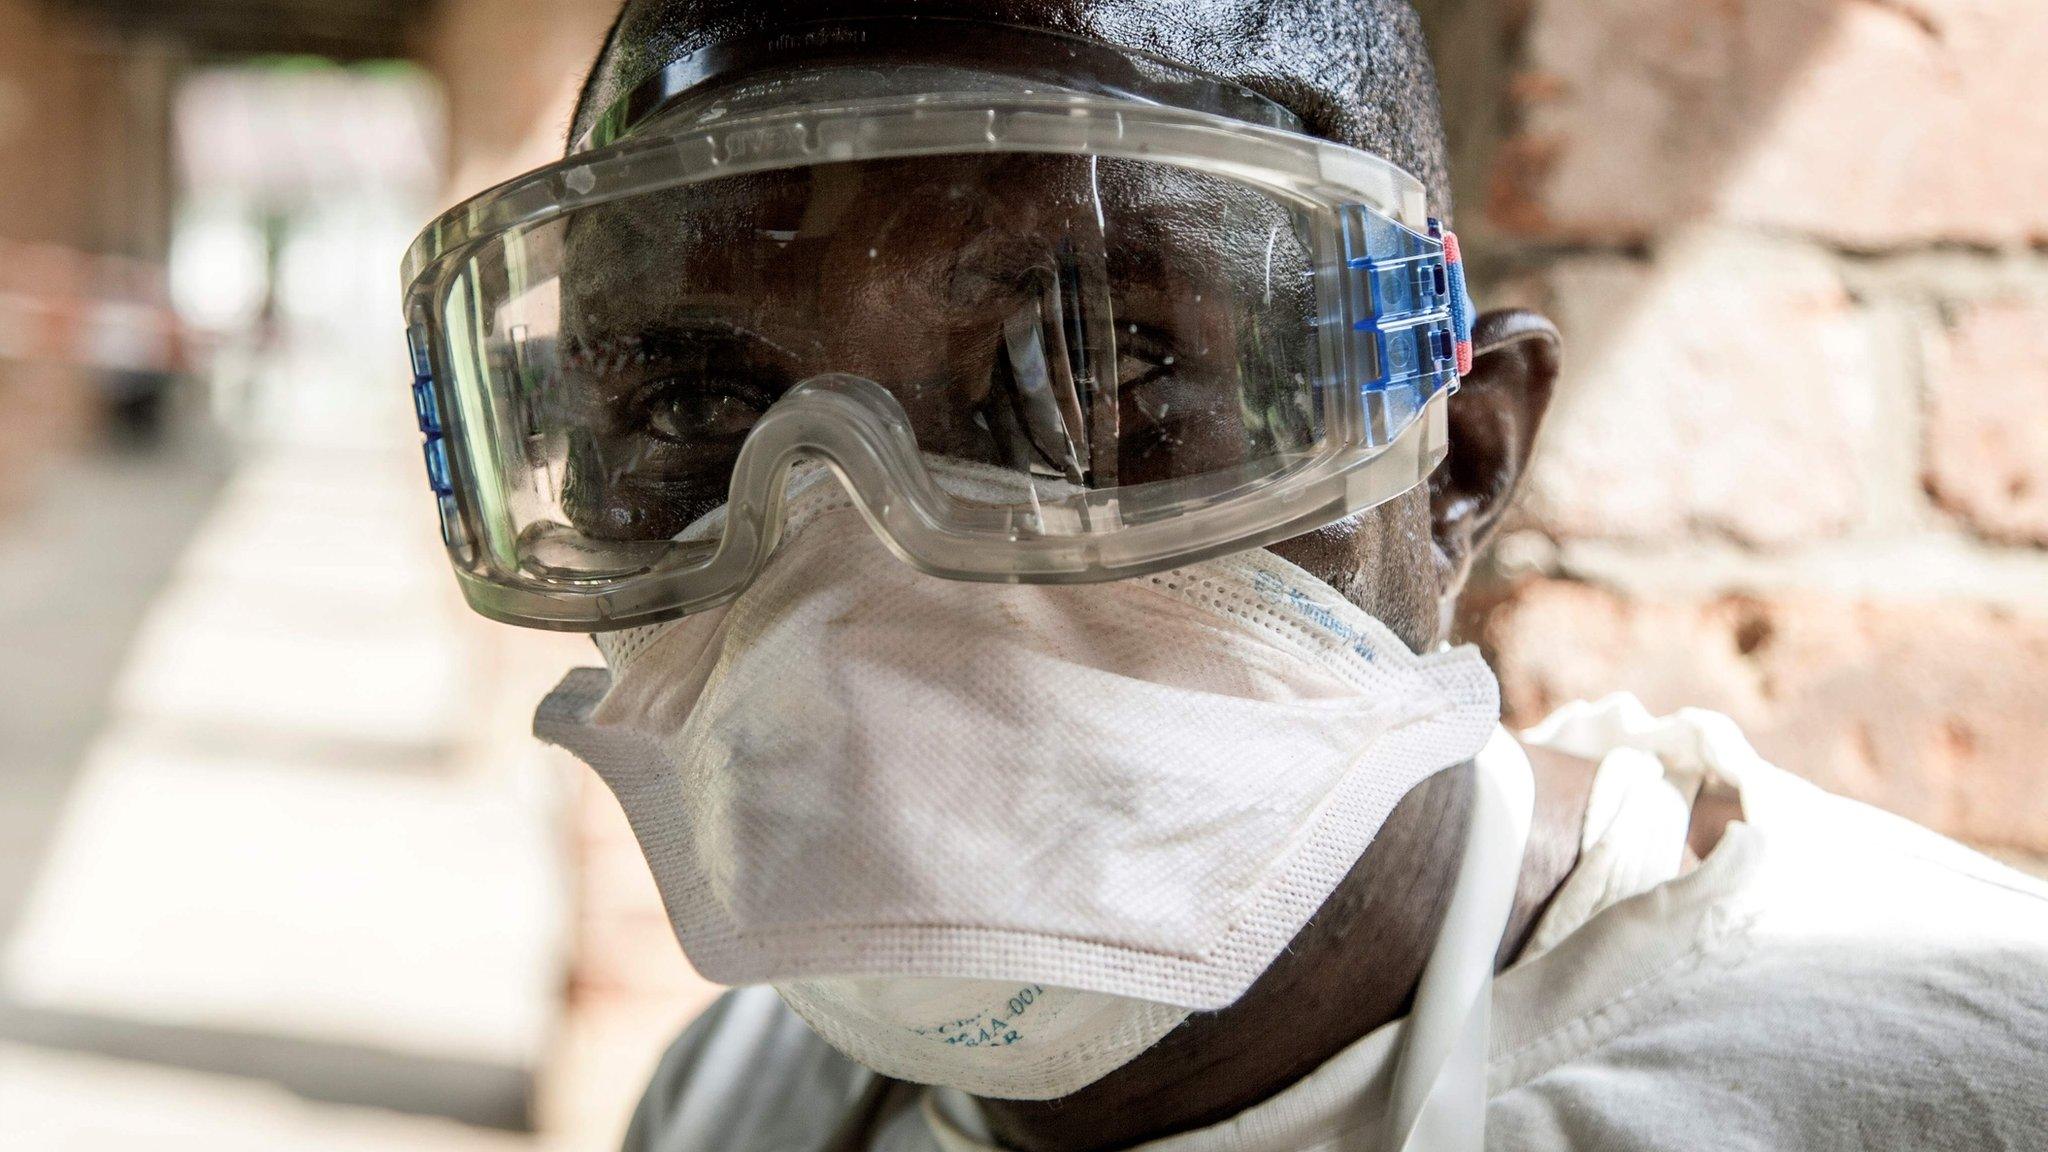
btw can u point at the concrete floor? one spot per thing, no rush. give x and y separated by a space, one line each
279 866
80 562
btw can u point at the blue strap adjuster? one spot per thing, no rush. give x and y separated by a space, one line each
1407 313
426 407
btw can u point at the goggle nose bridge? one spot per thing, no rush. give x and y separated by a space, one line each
852 425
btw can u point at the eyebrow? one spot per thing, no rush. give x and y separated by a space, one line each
670 338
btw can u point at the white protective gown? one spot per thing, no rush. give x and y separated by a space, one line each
1830 977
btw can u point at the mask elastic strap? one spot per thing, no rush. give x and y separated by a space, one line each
1440 1084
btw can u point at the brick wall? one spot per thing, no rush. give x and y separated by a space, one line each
57 87
57 116
1798 467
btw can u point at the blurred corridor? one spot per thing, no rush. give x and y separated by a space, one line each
283 850
279 865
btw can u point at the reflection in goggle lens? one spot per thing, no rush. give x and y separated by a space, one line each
1098 324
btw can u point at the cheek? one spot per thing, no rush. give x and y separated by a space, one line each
1385 561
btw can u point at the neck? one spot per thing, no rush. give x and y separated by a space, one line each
1318 998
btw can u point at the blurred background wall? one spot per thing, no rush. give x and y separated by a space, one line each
1798 467
279 866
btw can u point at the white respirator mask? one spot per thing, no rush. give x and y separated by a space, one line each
1004 838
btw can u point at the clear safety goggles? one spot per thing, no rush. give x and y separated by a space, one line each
1151 320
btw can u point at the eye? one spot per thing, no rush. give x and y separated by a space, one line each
693 412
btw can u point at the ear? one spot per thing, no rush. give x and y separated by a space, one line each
1493 422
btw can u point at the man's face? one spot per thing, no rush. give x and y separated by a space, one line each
915 286
1168 311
